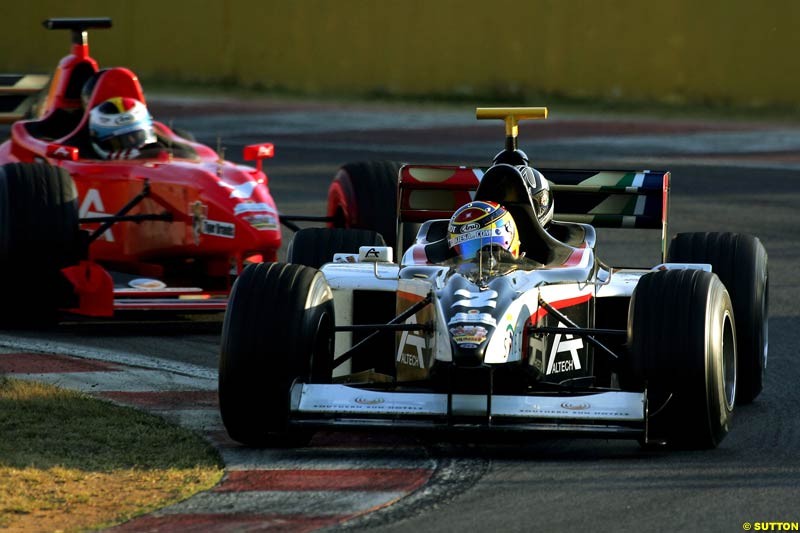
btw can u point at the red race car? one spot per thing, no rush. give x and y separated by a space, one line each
104 209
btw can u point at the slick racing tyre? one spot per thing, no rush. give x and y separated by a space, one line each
740 261
682 349
39 235
316 246
278 330
364 195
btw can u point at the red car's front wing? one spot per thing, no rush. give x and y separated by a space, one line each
96 295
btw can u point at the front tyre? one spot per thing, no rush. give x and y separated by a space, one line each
39 236
740 261
682 351
278 330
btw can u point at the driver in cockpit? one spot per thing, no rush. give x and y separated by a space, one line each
511 210
481 225
120 127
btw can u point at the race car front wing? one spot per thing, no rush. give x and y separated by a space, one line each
609 413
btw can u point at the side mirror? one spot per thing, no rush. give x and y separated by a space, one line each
257 152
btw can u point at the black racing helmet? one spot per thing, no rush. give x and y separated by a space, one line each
519 184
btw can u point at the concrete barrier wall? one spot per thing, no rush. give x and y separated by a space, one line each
710 51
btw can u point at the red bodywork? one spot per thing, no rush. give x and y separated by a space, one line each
221 213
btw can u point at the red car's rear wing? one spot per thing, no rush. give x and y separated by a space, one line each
605 199
18 95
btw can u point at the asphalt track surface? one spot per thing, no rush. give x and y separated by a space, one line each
727 176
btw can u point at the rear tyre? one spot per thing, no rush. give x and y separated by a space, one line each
315 246
683 353
740 261
364 195
39 235
278 330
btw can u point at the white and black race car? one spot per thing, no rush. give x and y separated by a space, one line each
554 340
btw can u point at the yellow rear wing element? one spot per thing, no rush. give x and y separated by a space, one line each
511 116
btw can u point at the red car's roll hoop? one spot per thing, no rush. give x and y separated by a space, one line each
77 67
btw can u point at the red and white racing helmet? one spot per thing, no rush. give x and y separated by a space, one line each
120 126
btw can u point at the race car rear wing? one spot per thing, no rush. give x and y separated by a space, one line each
604 199
19 95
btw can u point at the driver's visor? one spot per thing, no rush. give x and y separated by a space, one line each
469 249
541 202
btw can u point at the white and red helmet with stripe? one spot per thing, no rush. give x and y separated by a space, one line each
120 126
